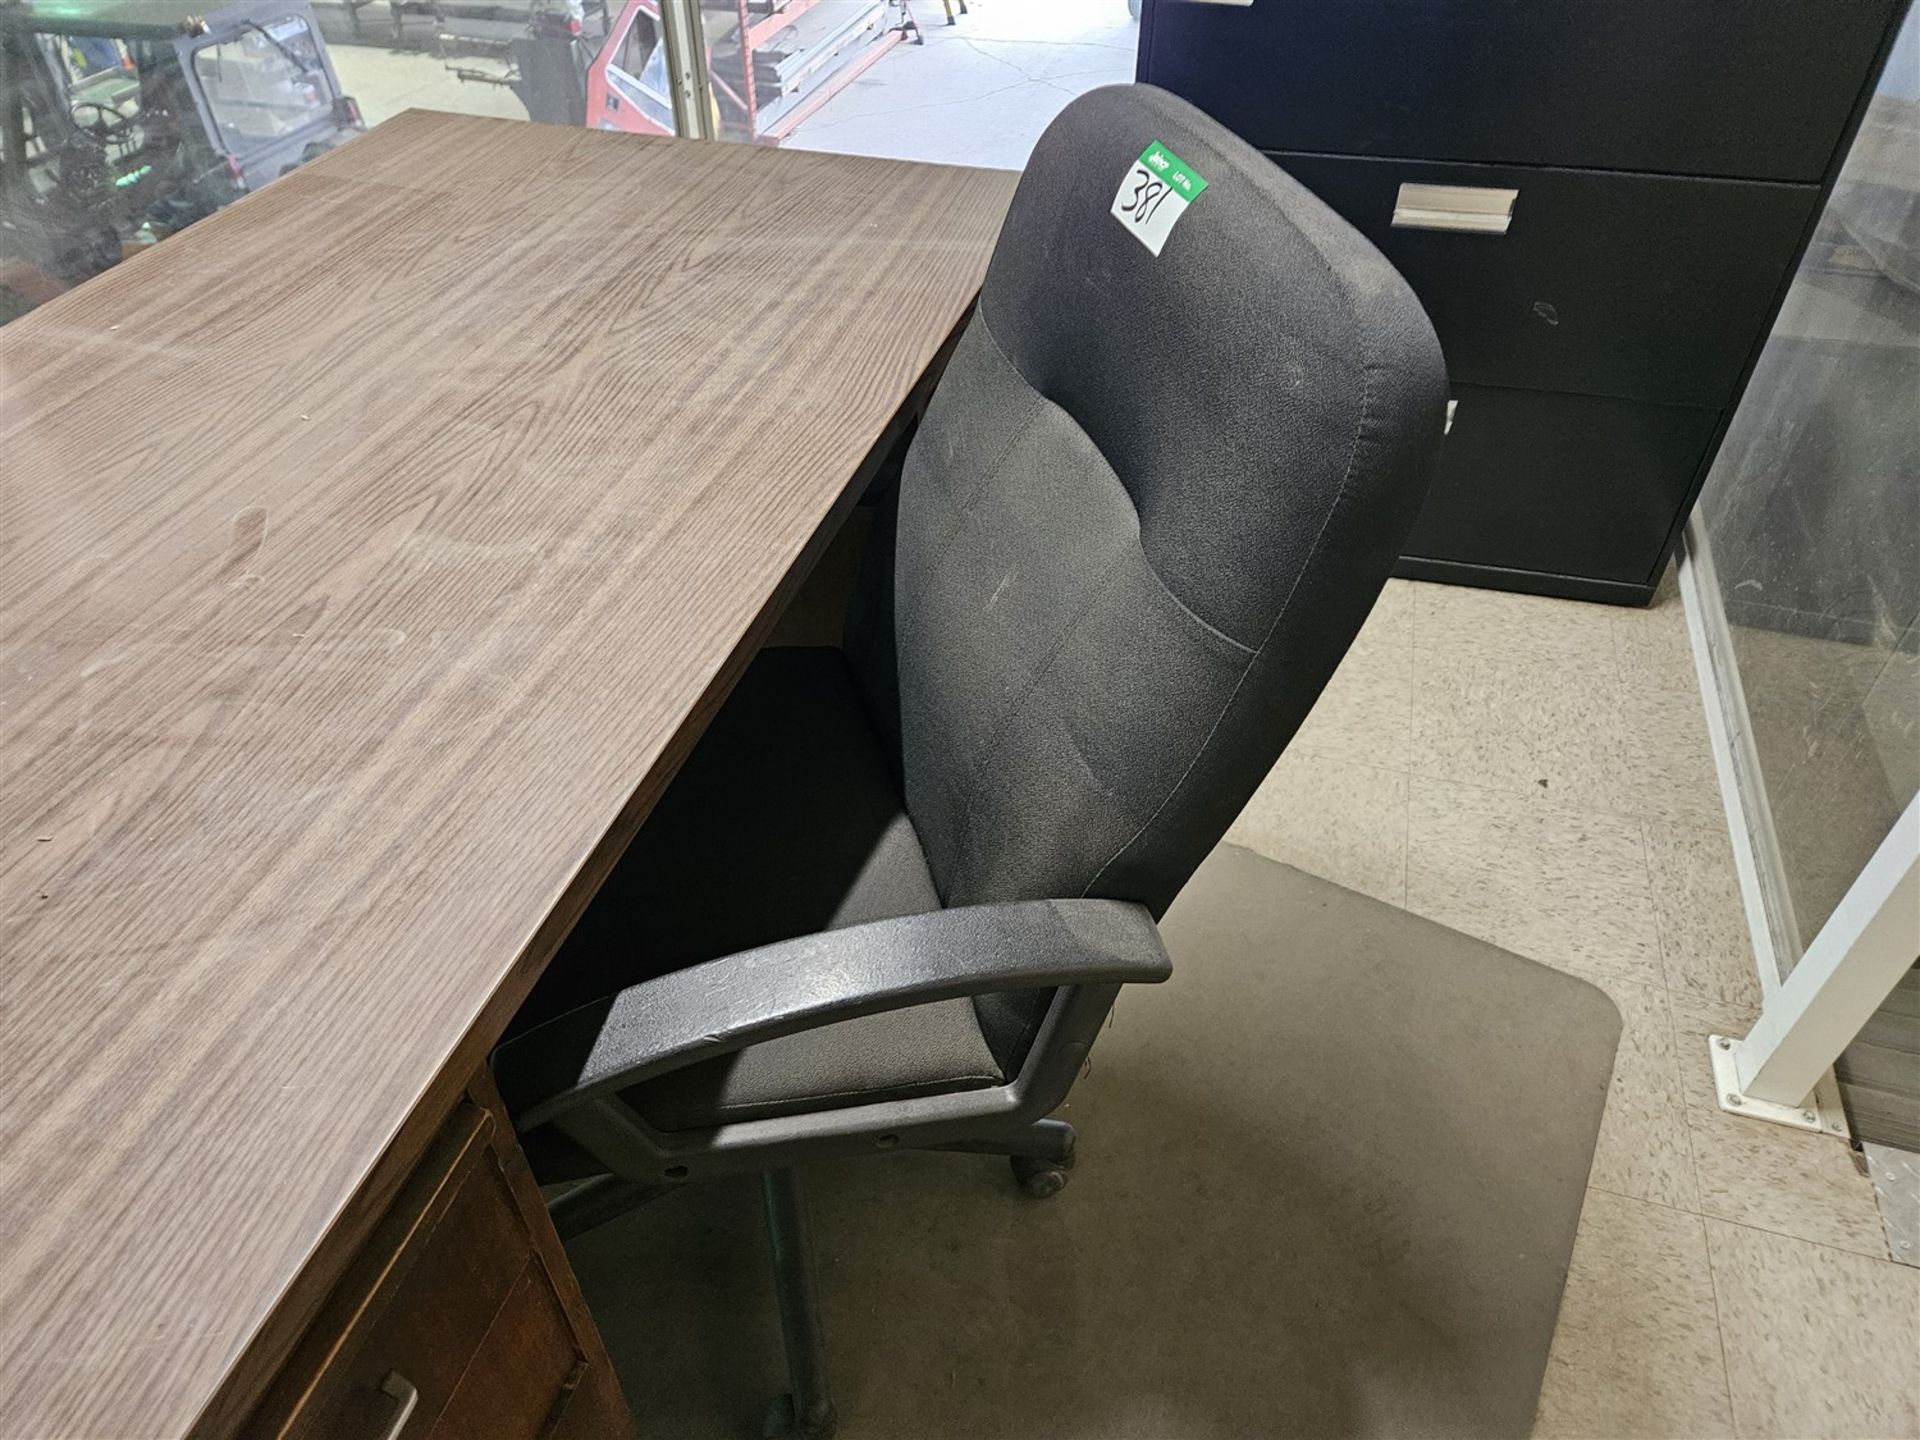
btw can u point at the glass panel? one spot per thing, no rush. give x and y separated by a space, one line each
186 125
101 83
636 74
922 80
92 57
265 83
1812 512
103 150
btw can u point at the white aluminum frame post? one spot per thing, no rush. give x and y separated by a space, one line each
1812 1010
1870 941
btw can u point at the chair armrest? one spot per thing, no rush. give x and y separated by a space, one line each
689 1015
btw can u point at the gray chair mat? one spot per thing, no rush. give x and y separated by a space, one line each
1329 1181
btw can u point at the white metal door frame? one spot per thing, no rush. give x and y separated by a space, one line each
1756 849
687 80
1870 941
1782 1070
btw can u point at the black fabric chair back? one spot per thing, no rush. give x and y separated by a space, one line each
1150 504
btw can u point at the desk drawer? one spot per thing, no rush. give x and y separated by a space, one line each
1760 90
447 1326
1641 286
1560 484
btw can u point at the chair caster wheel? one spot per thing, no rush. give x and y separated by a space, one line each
783 1424
1038 1179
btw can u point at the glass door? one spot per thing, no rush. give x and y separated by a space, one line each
959 82
1807 538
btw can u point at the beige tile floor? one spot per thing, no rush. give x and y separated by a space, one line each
1536 772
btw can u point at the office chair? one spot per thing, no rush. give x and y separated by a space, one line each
892 895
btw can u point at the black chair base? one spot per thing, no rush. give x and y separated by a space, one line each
805 1411
1040 1155
592 1203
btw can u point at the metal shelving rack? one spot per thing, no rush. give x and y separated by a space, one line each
756 32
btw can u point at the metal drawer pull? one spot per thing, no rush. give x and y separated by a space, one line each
1479 208
1447 427
408 1395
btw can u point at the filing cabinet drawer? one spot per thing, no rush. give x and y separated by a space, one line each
1641 286
448 1326
1760 89
1560 484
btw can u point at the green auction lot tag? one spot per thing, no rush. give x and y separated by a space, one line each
1154 193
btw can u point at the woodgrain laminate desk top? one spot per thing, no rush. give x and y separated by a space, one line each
370 555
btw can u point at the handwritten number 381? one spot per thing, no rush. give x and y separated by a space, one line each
1148 195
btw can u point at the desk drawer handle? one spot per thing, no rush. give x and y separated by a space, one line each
407 1394
1479 208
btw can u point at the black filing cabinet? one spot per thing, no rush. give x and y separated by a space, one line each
1600 205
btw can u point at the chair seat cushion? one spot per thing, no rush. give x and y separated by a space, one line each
921 1050
786 820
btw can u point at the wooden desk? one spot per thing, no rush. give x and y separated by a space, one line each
370 556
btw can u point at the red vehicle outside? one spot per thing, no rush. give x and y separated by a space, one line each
627 80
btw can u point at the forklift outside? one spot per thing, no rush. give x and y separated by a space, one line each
122 121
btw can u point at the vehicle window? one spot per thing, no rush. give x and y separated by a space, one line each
89 55
265 82
95 79
639 69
